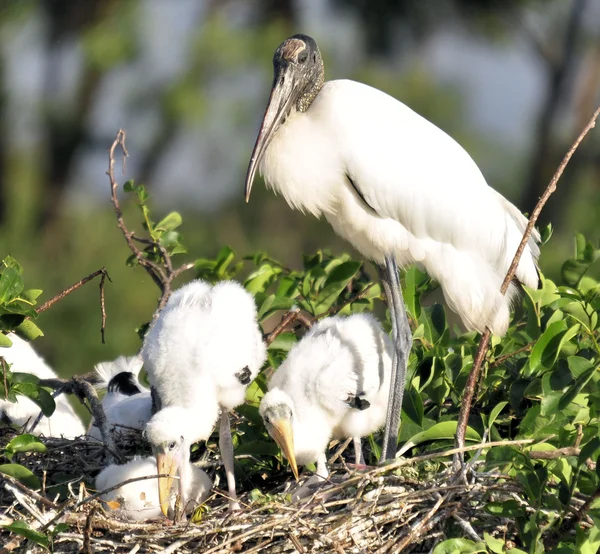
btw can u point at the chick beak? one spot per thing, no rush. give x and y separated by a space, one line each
166 464
281 430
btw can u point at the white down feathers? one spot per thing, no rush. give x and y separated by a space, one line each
429 202
121 410
138 501
337 360
201 341
63 422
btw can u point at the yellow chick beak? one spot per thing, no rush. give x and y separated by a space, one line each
281 430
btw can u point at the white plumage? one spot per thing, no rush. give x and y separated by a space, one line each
201 353
63 422
131 410
431 205
139 500
398 188
341 365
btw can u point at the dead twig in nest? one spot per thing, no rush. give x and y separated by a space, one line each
465 408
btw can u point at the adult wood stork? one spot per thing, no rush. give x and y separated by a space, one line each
201 353
64 422
399 189
139 500
333 384
126 403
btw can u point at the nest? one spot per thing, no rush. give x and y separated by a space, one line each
404 507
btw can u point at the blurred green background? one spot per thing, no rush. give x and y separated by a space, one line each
512 80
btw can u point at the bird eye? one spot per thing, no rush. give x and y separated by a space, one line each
172 445
302 57
267 419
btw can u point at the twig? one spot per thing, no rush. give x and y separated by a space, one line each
70 289
554 454
102 305
29 492
154 270
87 532
501 359
4 379
465 409
85 390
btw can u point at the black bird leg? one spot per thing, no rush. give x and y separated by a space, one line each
402 338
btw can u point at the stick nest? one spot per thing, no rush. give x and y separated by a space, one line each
406 509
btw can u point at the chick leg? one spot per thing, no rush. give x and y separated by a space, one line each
358 453
226 447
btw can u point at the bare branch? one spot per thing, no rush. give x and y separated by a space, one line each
154 270
69 290
465 409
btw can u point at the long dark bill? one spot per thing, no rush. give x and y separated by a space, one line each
283 95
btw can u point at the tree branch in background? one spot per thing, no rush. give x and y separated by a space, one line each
465 409
163 276
79 284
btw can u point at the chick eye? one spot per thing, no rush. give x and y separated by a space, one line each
267 419
172 445
302 57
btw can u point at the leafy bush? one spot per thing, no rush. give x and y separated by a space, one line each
538 394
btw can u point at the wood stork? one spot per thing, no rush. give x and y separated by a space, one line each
139 500
63 422
126 403
201 353
333 384
399 189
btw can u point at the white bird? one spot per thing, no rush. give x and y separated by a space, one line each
139 500
333 384
398 188
201 353
127 402
64 422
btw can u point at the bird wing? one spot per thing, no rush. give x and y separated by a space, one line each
407 169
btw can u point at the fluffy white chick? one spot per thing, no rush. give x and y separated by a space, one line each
127 402
333 384
139 500
203 350
64 422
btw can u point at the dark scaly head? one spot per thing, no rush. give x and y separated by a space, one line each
298 78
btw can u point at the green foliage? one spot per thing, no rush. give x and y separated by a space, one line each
540 382
16 303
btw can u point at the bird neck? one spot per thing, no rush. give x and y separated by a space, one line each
306 99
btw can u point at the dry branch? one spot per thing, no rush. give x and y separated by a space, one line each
465 408
162 275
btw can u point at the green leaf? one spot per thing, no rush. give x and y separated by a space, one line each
545 351
11 284
4 341
496 412
22 474
129 186
31 295
284 341
26 443
508 508
459 546
272 304
439 431
170 222
497 546
412 406
29 330
22 529
38 395
334 285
